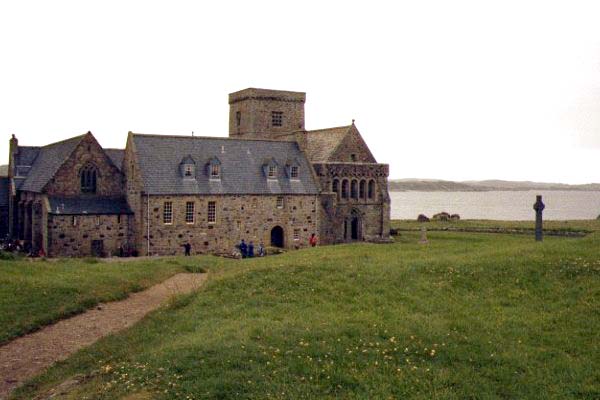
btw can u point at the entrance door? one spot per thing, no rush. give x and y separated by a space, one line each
97 248
355 228
277 237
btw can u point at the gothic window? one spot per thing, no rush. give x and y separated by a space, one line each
345 189
168 212
277 118
371 189
212 212
354 189
362 192
335 187
189 212
88 176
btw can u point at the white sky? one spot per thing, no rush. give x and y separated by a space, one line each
439 89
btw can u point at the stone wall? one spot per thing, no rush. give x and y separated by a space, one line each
69 238
255 107
337 211
352 145
248 217
133 193
66 181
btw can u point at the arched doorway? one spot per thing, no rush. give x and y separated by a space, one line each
355 226
277 237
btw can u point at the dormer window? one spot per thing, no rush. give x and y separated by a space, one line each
294 172
272 174
292 168
214 168
187 168
215 171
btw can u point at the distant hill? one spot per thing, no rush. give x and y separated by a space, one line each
433 185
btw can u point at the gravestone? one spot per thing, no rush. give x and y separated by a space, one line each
423 236
539 208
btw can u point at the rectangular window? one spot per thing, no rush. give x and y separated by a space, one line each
119 219
272 172
296 234
294 172
168 212
212 212
238 118
74 220
279 201
277 118
188 170
189 212
214 171
97 220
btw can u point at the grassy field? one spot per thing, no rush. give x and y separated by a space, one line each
476 316
36 293
550 227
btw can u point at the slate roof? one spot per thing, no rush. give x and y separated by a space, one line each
116 156
4 189
242 165
321 143
88 205
48 161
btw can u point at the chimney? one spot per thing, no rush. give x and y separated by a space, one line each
13 150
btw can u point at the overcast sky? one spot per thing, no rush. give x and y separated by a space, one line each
454 90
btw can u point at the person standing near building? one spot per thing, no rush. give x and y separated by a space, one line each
313 240
250 249
187 248
243 249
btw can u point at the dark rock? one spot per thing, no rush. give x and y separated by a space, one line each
422 218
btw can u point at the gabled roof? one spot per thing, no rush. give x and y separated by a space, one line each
116 156
321 143
48 161
242 163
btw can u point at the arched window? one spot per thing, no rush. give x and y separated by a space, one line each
362 189
88 177
371 189
345 189
354 189
335 187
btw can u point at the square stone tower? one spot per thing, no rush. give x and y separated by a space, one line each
265 114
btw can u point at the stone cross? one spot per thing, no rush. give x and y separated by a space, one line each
423 236
538 207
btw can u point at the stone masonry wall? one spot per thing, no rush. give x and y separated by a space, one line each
248 217
69 239
336 211
66 181
255 121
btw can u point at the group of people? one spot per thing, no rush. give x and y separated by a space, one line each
247 250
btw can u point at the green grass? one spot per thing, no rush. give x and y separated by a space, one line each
469 316
37 293
550 227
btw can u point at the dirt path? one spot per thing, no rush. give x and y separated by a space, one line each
29 355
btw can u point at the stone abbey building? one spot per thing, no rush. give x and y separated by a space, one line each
271 182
